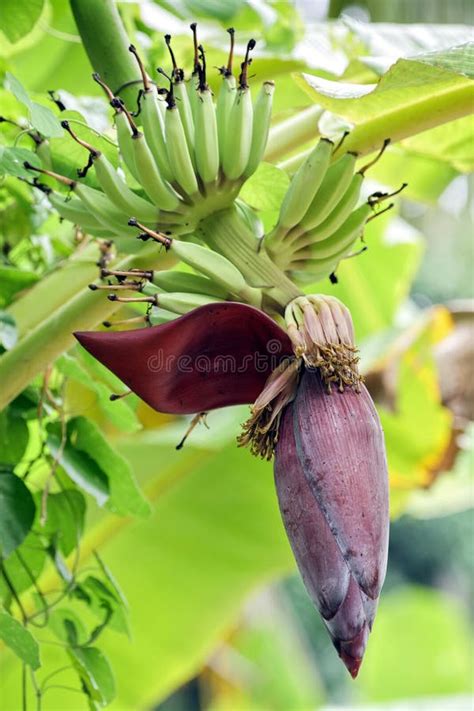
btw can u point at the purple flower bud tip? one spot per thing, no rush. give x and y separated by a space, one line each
332 486
351 652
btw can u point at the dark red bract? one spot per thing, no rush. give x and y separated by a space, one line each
217 355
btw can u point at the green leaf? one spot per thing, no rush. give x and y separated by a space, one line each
450 143
67 155
33 554
61 620
458 59
12 160
102 599
80 467
19 639
421 636
18 90
124 495
42 118
17 512
65 513
8 332
265 189
413 96
94 671
18 17
119 412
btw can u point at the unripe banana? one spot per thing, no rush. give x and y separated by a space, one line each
124 137
157 316
238 137
112 184
340 213
150 178
152 114
217 268
304 186
186 113
191 90
206 147
120 194
333 187
345 236
74 211
225 100
181 302
153 119
261 125
317 269
178 152
172 280
103 209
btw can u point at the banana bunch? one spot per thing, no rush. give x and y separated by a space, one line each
189 157
320 219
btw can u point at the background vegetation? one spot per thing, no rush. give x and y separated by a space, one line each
135 575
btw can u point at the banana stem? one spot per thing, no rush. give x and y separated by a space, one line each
292 133
106 43
226 232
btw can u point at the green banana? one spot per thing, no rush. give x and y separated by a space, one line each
315 269
304 186
156 316
225 101
153 120
122 125
345 236
74 211
94 203
186 114
150 178
152 114
340 213
172 280
181 302
261 126
193 82
334 220
113 185
335 183
178 152
120 194
227 94
124 137
238 135
207 146
217 268
103 209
